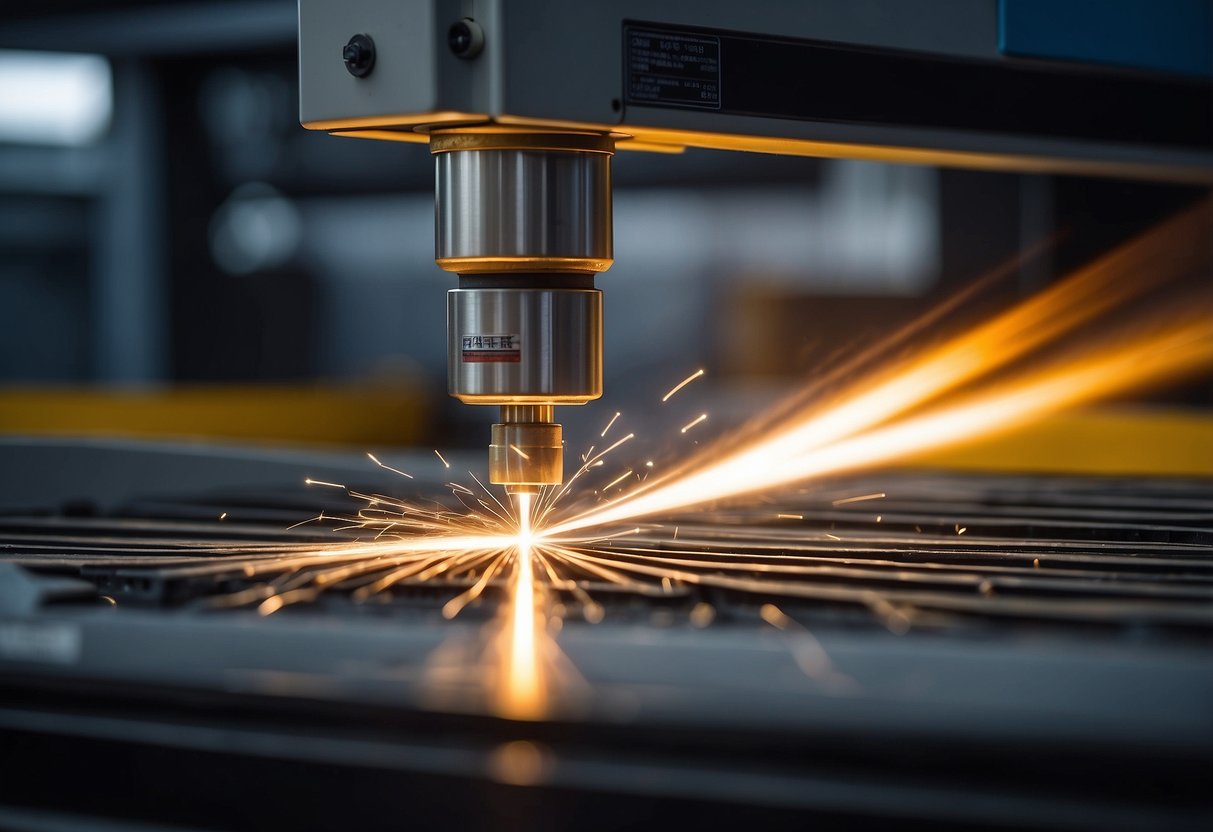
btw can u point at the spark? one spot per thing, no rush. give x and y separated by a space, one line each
519 451
877 496
596 461
698 373
617 480
454 606
441 458
789 516
601 454
784 457
903 408
310 481
700 418
608 427
375 460
317 519
223 516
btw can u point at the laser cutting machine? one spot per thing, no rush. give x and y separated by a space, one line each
182 647
524 102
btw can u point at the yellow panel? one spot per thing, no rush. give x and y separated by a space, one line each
393 415
1111 441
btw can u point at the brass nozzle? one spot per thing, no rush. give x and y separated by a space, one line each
527 449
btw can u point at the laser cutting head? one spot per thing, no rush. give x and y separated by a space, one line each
524 219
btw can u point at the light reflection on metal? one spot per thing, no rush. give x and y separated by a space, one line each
523 694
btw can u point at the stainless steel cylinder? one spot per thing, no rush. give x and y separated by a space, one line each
523 202
525 219
524 346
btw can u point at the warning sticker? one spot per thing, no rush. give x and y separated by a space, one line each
669 68
492 349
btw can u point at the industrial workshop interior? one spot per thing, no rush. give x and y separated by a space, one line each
606 414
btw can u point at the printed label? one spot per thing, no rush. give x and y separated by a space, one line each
672 68
492 349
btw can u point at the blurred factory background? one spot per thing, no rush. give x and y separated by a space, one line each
179 257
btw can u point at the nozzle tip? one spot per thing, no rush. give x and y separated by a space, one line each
525 456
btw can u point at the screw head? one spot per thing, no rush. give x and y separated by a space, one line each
359 55
465 38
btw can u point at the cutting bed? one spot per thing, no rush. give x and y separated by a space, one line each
1012 652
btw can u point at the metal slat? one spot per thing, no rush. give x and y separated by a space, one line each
1117 553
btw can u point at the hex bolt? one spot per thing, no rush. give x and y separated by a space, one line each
359 55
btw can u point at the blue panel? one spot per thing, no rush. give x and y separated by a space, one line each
1174 36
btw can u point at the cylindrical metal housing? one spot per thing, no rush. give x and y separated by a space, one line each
525 219
524 345
523 202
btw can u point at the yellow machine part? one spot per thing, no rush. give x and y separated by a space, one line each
1111 441
277 414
